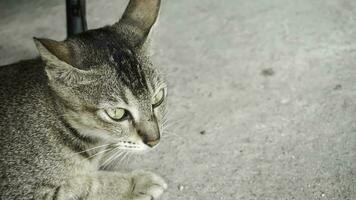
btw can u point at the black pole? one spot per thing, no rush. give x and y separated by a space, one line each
76 20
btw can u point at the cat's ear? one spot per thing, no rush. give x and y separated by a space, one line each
57 56
137 20
53 51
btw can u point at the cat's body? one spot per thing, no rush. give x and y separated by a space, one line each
29 132
66 116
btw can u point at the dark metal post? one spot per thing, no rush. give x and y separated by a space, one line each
76 20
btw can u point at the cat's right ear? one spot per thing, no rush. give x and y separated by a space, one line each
57 56
53 51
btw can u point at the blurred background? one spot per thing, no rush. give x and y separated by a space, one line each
262 93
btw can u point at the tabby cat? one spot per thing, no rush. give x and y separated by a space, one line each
67 117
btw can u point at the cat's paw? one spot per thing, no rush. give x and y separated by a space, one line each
147 185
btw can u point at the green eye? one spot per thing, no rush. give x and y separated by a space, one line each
158 98
117 114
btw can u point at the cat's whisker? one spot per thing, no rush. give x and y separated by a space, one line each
118 161
98 153
165 128
115 160
176 121
129 157
90 149
107 161
125 155
123 159
170 124
167 125
169 134
103 165
164 123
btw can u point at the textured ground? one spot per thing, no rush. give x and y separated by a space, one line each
262 93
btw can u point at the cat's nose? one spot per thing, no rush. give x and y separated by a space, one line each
149 140
149 136
149 132
152 143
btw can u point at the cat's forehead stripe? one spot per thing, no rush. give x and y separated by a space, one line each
129 70
111 48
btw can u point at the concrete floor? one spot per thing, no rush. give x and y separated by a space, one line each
262 93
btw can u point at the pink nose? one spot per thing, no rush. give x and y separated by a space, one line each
152 143
149 132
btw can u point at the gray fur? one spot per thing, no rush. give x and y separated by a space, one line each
56 140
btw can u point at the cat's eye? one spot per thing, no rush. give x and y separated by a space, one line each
158 98
117 114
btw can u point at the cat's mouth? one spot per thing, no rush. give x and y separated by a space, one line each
133 146
121 152
130 145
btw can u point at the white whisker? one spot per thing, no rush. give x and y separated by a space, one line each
123 157
100 152
91 149
120 155
107 161
129 156
169 134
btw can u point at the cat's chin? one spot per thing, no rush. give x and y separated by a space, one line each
143 151
110 168
120 161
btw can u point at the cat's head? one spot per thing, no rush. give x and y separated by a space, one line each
109 88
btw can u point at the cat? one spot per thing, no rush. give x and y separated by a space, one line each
67 116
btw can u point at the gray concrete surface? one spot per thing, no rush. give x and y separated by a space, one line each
262 93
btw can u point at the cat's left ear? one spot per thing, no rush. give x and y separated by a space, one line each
137 20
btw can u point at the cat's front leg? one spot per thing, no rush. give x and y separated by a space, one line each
146 185
137 185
